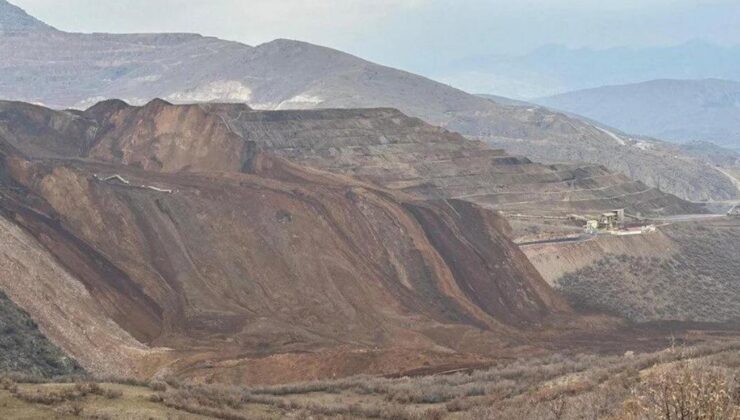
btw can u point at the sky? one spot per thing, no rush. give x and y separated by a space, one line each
415 35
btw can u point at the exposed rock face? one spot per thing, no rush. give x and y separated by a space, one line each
160 137
77 70
186 263
382 146
71 309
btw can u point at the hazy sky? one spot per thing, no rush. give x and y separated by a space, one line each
411 34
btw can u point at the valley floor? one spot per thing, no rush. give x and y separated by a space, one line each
702 378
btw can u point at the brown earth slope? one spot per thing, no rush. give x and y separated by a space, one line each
382 146
156 240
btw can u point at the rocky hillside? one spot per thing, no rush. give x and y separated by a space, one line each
63 70
159 240
385 147
655 162
712 153
382 146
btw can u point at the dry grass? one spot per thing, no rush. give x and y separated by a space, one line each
689 391
62 394
703 380
554 387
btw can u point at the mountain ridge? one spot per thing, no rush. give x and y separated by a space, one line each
13 19
555 69
285 74
678 110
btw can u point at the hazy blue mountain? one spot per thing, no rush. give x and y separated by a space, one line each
710 152
13 19
676 110
555 69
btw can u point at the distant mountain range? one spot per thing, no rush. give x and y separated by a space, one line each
677 110
555 69
70 70
710 152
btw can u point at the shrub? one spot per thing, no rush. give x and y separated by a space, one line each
75 409
88 388
6 383
112 394
158 386
688 392
458 404
48 398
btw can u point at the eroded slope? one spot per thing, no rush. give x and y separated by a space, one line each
184 263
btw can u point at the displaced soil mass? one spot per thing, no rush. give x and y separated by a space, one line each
217 243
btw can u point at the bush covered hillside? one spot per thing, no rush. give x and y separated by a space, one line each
700 282
24 349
